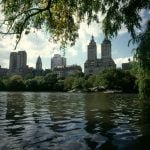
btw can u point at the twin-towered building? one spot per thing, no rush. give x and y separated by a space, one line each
94 65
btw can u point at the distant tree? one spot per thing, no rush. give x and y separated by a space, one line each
68 82
116 79
29 76
50 81
15 83
91 80
32 85
78 83
78 75
60 85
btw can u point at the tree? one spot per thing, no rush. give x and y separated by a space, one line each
62 18
32 85
50 81
68 82
78 83
143 62
60 85
116 79
55 17
15 83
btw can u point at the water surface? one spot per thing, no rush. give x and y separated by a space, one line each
73 121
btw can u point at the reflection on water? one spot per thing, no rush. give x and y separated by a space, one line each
15 113
68 121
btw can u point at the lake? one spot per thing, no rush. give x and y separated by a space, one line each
73 121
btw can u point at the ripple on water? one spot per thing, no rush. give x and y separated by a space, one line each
67 121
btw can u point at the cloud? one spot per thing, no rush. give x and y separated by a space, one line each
72 51
123 30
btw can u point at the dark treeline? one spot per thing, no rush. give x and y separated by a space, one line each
115 79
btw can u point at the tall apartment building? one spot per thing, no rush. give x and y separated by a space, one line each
18 61
94 65
13 61
21 60
57 61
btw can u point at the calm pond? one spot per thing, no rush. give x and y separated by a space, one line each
73 121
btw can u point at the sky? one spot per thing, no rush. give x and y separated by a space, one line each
38 44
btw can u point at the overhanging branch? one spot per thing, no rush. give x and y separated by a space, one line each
28 14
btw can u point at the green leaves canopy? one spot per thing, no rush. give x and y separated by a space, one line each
61 18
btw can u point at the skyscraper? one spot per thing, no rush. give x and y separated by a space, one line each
13 61
92 50
21 60
106 48
18 61
39 64
58 61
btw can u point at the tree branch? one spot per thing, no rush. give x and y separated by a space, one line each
28 17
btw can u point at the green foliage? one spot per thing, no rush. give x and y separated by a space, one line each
116 79
31 85
143 62
50 81
68 82
110 79
144 88
60 86
78 83
61 19
15 83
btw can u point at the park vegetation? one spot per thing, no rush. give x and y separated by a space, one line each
115 79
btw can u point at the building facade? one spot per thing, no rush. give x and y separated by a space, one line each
94 65
18 63
3 71
66 71
13 61
39 64
127 66
58 62
21 60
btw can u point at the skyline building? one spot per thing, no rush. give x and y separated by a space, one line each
92 50
39 64
68 70
18 61
58 62
94 65
21 60
13 61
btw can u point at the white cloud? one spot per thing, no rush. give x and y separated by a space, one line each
72 51
123 30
